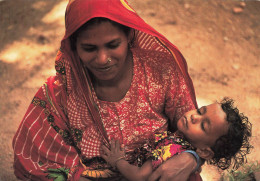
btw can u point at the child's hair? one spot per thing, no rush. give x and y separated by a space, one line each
231 149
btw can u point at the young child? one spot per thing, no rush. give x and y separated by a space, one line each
217 132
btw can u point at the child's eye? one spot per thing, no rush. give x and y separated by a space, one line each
203 126
198 111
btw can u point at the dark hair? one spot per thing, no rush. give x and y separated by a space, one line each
231 149
97 21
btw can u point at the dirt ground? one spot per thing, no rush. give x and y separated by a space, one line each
219 39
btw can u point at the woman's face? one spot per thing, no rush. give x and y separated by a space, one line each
202 127
98 43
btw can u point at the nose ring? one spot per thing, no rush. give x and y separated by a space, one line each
109 60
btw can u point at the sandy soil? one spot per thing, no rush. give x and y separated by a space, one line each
222 48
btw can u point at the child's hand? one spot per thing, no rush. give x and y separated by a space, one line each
113 155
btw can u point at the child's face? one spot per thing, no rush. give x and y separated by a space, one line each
202 127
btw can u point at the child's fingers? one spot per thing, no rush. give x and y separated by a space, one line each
117 145
105 157
105 149
112 145
122 148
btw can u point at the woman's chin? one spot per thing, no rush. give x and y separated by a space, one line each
104 75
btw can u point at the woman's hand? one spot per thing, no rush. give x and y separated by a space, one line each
178 168
113 155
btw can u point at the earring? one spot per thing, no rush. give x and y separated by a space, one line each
109 60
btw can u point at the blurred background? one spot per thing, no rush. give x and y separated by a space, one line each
220 40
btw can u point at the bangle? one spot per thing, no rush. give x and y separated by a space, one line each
120 158
196 157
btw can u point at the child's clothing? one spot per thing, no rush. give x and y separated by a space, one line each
162 147
167 145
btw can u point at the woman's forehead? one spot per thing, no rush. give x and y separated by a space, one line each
104 31
101 27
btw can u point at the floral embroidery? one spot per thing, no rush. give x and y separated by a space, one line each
66 134
51 118
60 67
37 102
77 133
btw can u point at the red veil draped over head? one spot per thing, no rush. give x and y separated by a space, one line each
48 143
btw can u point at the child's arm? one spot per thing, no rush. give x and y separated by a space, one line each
134 173
115 157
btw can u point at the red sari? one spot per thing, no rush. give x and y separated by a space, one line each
65 125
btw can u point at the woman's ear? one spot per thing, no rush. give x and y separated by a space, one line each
131 37
205 153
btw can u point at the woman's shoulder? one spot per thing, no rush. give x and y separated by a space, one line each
151 53
53 84
159 63
155 59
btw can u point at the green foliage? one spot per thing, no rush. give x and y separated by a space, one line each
60 174
246 173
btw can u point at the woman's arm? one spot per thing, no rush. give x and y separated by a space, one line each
115 157
179 99
134 173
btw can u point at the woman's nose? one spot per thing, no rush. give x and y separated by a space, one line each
102 57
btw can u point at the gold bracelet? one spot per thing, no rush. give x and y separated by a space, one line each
120 158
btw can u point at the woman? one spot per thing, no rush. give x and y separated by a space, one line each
117 78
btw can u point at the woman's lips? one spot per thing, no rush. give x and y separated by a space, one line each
103 69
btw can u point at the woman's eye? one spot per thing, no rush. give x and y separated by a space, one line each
198 111
89 49
113 45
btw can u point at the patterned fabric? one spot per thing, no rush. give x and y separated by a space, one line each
166 146
159 148
45 141
60 135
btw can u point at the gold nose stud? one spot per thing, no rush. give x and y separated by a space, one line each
109 60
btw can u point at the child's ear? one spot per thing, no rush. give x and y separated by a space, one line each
205 153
